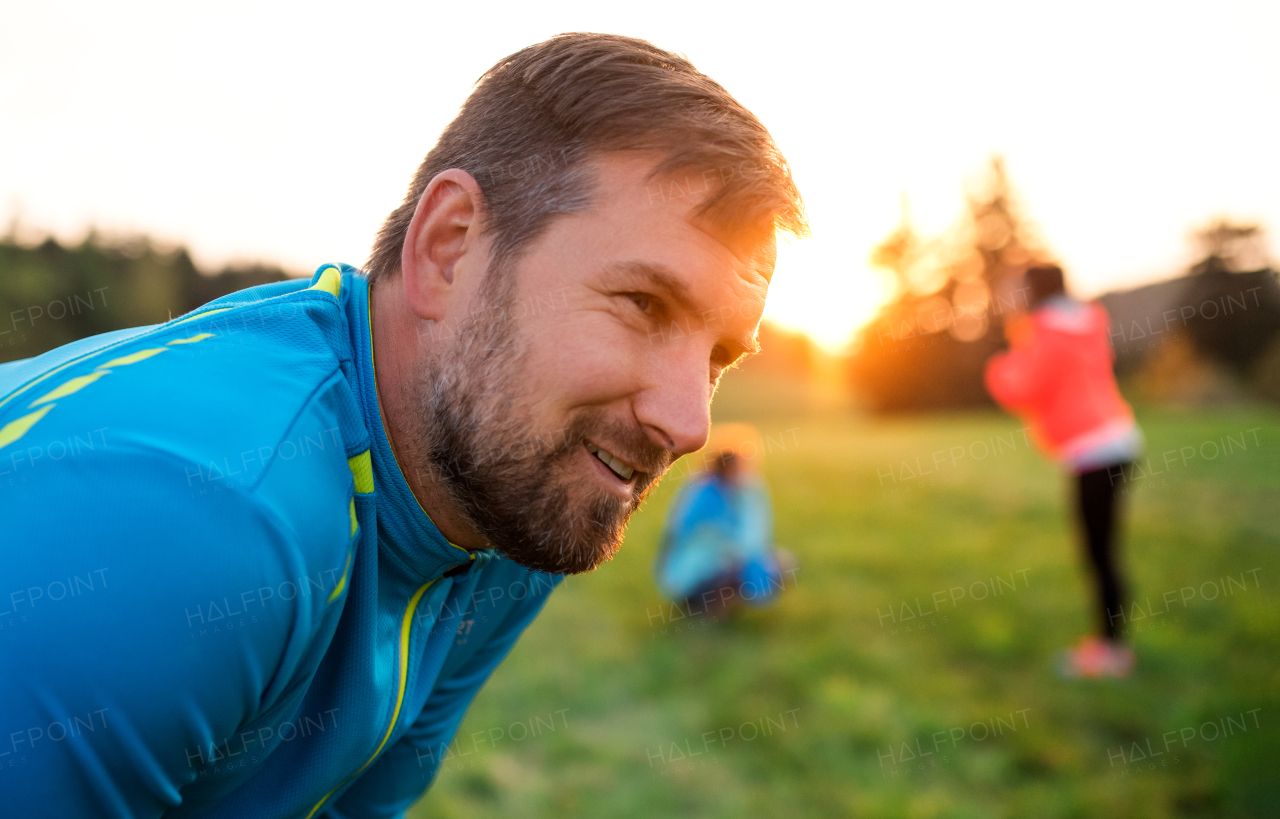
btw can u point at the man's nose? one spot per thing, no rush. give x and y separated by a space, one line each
675 407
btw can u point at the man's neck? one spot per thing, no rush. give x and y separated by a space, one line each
393 332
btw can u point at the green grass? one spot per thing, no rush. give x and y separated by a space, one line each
836 684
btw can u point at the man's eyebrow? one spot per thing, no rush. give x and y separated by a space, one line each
664 280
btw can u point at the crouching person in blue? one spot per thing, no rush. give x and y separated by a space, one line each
717 547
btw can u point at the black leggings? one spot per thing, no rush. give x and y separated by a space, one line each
1097 504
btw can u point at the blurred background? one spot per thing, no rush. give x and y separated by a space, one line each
154 156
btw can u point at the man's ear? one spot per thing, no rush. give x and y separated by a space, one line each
443 238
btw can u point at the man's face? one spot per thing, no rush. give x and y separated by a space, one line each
586 369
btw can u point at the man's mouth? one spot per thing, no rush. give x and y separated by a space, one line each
616 466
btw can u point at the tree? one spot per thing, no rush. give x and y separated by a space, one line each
1232 296
926 349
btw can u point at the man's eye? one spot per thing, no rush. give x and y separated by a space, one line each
645 303
721 360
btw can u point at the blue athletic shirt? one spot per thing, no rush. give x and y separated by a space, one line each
218 596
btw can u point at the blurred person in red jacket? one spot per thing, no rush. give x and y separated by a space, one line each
1058 377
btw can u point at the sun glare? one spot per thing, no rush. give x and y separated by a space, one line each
822 288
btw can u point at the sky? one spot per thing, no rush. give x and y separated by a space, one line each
286 132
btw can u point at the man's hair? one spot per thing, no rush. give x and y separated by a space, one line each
536 119
1044 281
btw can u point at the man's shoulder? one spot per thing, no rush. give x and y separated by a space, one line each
197 456
234 376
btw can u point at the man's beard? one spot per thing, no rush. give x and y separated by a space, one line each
509 479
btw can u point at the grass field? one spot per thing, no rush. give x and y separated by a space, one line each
836 702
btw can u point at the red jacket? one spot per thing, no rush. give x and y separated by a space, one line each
1058 377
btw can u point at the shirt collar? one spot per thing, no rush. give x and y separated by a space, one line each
406 534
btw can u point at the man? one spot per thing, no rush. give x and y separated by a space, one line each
263 556
1058 376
